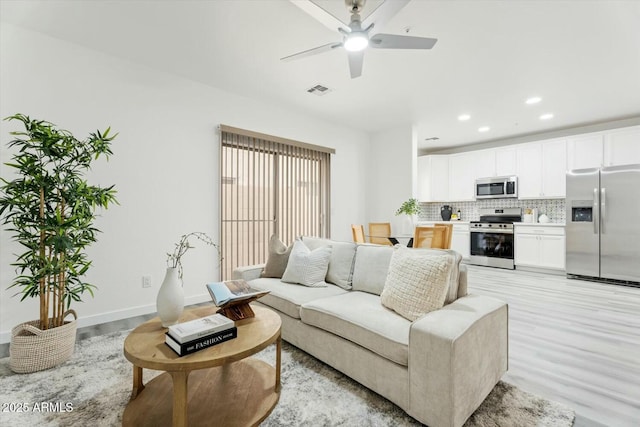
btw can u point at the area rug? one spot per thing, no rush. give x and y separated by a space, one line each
93 388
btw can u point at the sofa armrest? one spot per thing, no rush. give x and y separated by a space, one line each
248 272
456 356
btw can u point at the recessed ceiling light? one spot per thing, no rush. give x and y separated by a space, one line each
533 100
484 129
546 116
464 117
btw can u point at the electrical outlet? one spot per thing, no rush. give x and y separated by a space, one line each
146 281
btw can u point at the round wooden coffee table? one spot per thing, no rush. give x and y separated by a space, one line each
205 387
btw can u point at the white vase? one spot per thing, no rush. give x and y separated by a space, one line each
170 300
407 225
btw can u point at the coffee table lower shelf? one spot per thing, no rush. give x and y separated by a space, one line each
242 393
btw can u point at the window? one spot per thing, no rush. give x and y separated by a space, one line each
269 185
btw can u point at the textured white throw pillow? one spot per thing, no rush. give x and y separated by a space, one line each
417 283
307 267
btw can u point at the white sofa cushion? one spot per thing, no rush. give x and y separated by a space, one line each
417 282
288 298
307 267
370 268
341 263
360 318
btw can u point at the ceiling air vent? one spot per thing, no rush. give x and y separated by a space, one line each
319 90
433 138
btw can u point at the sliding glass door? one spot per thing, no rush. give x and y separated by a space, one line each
269 186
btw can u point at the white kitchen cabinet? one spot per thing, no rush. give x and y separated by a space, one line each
540 247
505 161
622 146
433 178
585 151
462 176
541 169
485 163
461 240
554 168
529 166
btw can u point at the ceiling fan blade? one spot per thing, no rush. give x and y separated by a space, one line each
321 15
355 63
392 41
383 13
313 51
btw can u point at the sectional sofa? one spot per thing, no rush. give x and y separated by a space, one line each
438 368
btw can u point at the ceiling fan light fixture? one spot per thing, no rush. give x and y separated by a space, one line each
356 41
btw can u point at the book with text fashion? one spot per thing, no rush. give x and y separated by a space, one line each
194 329
182 349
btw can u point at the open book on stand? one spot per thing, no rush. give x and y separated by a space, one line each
232 297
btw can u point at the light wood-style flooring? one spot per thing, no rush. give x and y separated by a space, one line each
572 341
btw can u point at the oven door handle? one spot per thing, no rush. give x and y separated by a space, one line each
492 231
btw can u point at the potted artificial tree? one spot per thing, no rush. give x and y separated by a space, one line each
50 208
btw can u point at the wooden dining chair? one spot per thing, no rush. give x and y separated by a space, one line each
357 231
448 235
429 237
379 233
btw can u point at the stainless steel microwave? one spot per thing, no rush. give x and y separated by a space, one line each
499 187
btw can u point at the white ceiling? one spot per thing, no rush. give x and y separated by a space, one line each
581 57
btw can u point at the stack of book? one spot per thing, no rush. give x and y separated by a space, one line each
189 337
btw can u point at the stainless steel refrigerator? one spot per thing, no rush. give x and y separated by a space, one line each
603 223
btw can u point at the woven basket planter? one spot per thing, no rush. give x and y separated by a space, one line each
33 349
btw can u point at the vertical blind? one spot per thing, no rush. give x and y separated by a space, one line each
269 185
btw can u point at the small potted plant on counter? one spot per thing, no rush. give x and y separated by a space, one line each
410 208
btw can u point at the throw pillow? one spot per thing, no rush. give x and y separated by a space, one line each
277 259
342 257
454 277
307 267
417 283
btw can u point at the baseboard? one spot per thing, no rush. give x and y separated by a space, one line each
541 270
98 319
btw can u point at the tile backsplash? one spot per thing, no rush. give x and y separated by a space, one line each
553 208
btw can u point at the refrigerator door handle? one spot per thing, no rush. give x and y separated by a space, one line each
596 217
603 211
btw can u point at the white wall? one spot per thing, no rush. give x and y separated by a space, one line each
165 165
392 174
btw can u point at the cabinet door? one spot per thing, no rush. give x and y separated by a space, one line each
461 177
529 164
554 168
552 252
424 183
622 146
433 178
527 250
439 178
505 161
584 151
460 242
485 162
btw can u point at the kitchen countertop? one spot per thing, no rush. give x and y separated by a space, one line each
455 221
540 224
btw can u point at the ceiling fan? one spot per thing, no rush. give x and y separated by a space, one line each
355 35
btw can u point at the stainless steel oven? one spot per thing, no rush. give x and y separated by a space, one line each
492 238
